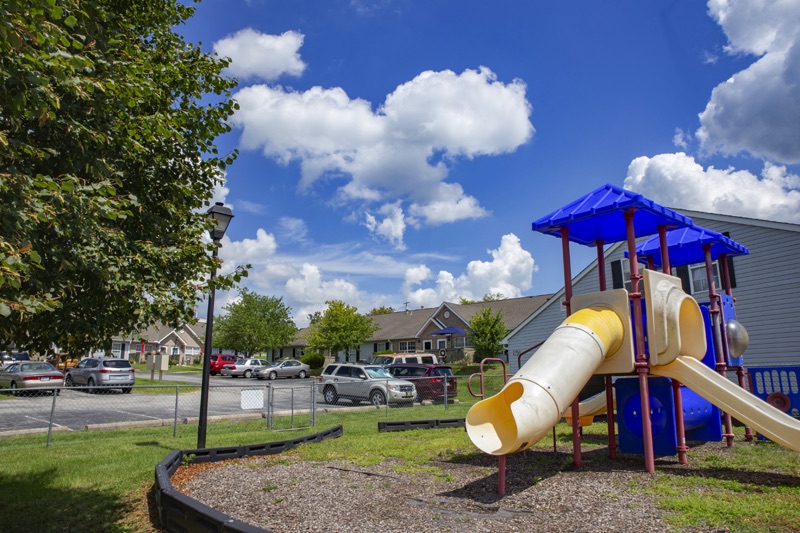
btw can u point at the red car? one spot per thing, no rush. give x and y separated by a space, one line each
219 360
428 379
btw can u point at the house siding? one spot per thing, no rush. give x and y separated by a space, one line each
767 291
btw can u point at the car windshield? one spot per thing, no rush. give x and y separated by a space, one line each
378 373
276 363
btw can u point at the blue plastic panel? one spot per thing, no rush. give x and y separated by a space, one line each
686 246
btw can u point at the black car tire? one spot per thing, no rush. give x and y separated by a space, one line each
330 395
273 375
90 383
377 398
57 392
126 390
248 373
68 381
302 374
14 390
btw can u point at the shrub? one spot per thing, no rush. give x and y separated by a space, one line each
384 352
313 359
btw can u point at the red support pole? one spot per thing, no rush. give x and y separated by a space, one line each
501 475
726 283
641 364
662 244
716 329
576 419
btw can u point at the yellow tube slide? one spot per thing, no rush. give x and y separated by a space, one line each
532 401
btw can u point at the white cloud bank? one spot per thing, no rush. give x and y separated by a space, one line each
256 55
758 109
677 180
396 157
510 272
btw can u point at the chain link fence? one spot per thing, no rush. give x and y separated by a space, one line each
282 405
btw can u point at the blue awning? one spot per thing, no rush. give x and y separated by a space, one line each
601 215
450 330
685 246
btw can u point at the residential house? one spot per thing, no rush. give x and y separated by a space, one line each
413 330
183 344
766 288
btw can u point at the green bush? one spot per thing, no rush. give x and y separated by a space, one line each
384 352
313 359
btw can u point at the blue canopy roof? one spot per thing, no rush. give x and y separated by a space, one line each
450 330
601 215
686 246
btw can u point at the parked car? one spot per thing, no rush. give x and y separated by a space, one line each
359 383
28 375
242 367
62 361
102 372
6 358
428 379
217 361
286 368
410 358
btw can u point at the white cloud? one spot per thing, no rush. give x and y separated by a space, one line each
757 110
677 180
252 251
309 292
251 207
402 151
262 56
392 227
680 139
509 272
294 229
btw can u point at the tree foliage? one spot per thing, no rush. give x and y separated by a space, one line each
254 324
107 161
382 310
487 330
339 328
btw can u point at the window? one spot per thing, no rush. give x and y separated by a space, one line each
344 371
699 279
441 344
621 274
192 350
408 346
116 349
462 342
427 345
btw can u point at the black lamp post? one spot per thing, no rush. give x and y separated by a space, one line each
221 216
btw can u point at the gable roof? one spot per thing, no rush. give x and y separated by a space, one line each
402 324
514 310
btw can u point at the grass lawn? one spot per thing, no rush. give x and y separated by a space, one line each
100 481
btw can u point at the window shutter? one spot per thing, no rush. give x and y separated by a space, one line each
731 273
616 275
683 273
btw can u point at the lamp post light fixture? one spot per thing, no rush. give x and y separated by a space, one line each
221 216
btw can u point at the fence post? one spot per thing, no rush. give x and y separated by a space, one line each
386 398
268 396
445 392
313 405
52 412
175 420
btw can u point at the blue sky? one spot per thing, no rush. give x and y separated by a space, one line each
395 152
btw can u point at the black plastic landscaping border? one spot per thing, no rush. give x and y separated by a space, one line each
181 514
407 425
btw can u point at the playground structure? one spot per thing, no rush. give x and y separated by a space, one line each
670 354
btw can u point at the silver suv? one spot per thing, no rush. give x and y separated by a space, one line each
102 372
359 383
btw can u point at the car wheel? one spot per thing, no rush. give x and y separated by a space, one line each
330 396
248 373
302 374
57 392
126 390
273 375
377 398
68 381
14 390
90 383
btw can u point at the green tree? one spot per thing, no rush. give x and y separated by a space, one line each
487 330
339 328
108 120
254 324
314 317
493 296
382 310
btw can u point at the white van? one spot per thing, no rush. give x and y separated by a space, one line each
395 358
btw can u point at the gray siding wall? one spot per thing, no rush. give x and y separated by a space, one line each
767 292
